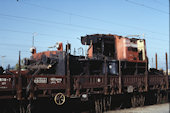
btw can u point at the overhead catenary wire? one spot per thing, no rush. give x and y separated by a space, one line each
53 22
18 45
91 18
28 39
50 35
73 25
58 36
25 32
48 25
160 3
143 5
42 34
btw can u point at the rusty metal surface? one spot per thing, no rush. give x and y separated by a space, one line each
120 78
68 71
127 49
19 86
156 61
50 82
133 80
90 81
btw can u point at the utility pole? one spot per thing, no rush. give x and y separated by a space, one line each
156 61
167 83
34 34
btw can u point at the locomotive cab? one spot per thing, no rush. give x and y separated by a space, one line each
100 46
113 48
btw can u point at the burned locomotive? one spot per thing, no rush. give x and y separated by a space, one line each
114 68
103 50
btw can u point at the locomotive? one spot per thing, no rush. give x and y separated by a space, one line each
102 50
114 68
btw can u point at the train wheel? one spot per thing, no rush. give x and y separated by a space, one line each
159 98
98 106
96 103
141 100
137 100
133 101
162 97
21 109
108 102
28 110
102 104
166 97
59 99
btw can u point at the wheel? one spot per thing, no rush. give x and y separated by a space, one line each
142 100
59 99
133 101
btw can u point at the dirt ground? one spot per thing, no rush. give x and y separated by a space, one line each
161 108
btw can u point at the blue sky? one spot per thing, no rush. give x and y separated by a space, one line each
67 20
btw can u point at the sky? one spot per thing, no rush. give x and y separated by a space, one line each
51 21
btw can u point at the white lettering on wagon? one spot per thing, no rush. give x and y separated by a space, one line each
55 80
3 82
3 79
40 80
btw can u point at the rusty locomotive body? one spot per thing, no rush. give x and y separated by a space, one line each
113 65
